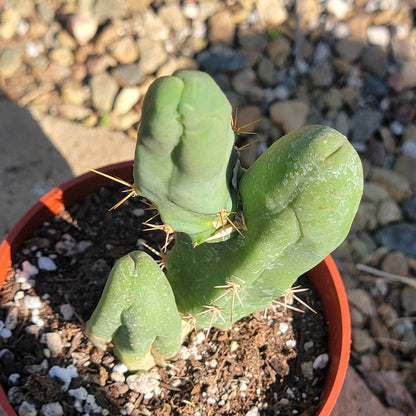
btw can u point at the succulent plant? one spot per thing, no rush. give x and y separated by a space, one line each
242 236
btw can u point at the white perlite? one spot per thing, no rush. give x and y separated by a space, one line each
46 263
144 383
27 409
52 409
64 374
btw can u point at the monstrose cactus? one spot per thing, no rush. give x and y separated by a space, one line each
243 236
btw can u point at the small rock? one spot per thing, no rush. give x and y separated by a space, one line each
103 91
64 374
322 74
266 72
152 55
365 123
144 383
374 192
172 15
289 114
400 236
395 184
362 341
339 8
52 409
67 311
10 61
126 99
221 58
128 75
362 301
83 27
254 411
307 369
349 49
374 60
221 28
12 318
66 246
27 409
408 299
54 343
407 75
388 211
32 302
279 50
272 13
124 50
46 263
378 35
409 208
62 56
321 361
395 262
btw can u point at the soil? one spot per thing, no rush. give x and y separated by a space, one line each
262 365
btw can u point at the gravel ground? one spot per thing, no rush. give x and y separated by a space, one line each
348 64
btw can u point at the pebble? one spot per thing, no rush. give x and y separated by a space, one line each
83 27
400 236
221 58
52 409
395 184
27 409
289 114
103 91
124 50
128 75
67 311
46 263
65 374
321 361
378 35
144 383
126 99
54 343
10 61
365 123
152 55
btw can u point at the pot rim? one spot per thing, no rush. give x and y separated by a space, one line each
325 276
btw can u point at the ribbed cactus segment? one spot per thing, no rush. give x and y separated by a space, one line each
299 200
183 154
137 313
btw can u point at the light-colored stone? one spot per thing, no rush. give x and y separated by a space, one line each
10 61
83 27
126 99
272 13
221 28
289 114
395 184
124 50
103 91
152 55
388 211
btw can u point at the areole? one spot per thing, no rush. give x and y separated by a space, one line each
325 276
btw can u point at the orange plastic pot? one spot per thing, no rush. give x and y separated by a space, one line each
325 276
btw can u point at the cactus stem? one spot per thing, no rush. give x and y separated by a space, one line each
131 191
161 262
240 130
289 296
215 311
234 288
165 228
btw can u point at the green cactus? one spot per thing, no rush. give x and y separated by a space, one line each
291 208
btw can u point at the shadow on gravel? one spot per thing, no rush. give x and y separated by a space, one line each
29 164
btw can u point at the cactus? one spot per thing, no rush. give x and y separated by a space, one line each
243 236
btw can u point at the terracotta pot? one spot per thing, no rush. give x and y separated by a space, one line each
325 276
